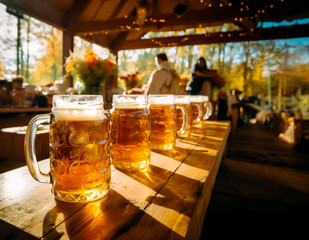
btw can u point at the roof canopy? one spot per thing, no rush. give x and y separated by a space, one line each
121 24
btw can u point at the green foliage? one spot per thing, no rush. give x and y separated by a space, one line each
48 68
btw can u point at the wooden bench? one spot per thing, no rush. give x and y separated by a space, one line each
168 200
12 143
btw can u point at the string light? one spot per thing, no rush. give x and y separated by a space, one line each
136 26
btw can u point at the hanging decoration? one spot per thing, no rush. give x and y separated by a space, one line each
141 12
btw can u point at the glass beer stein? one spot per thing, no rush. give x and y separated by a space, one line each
197 110
183 110
163 121
208 108
130 131
79 159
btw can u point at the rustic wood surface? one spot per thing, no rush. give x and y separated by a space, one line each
168 200
12 145
24 110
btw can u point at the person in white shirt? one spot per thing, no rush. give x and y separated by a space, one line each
159 77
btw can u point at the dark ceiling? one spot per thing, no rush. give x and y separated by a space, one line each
117 24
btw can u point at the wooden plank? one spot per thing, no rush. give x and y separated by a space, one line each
24 201
178 210
195 17
39 10
67 47
131 193
162 197
24 110
287 32
211 16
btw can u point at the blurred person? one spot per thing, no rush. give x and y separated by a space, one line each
160 77
200 78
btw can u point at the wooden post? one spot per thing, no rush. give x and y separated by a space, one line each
67 46
279 93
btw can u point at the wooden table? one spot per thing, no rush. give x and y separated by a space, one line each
168 200
25 110
12 143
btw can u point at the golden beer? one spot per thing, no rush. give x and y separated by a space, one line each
197 108
79 137
183 115
80 165
130 132
163 125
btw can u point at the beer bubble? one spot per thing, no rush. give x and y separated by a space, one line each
93 152
80 168
102 135
102 164
58 167
94 180
79 138
67 182
68 153
57 137
88 126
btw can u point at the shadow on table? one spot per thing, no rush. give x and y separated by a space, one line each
111 217
9 231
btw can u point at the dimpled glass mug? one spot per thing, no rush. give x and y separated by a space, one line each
163 121
130 132
208 108
79 159
197 110
183 110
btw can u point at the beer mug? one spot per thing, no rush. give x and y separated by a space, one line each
130 132
208 108
79 159
163 121
183 115
197 110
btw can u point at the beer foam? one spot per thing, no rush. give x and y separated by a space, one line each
129 101
77 102
197 98
206 98
182 99
79 114
161 99
130 106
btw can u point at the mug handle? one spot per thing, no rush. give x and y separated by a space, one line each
200 113
208 111
29 149
184 119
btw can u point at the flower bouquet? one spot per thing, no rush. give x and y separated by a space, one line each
132 80
90 70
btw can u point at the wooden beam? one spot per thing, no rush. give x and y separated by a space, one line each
223 37
118 9
205 17
75 12
67 46
192 18
40 10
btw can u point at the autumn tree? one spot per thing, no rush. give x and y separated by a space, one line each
1 69
48 68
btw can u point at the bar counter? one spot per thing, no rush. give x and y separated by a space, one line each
168 200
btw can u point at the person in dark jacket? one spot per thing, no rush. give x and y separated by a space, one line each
199 75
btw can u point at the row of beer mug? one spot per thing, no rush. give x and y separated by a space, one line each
84 139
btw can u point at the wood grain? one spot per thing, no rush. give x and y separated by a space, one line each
168 200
